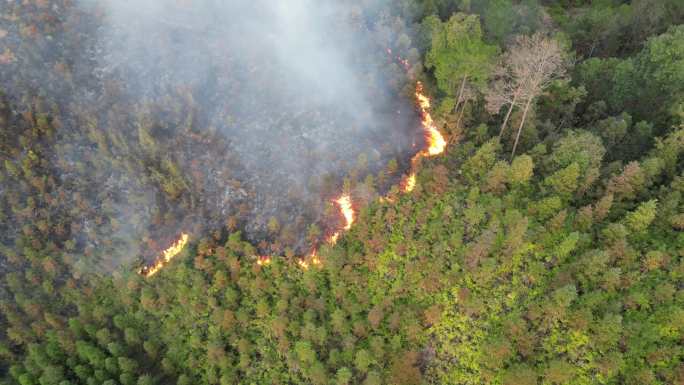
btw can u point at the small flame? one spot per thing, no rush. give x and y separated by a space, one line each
167 256
347 211
404 62
263 260
410 182
314 258
435 146
333 238
435 140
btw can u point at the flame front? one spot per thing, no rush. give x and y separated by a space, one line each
333 238
263 260
167 256
347 211
435 146
434 138
410 182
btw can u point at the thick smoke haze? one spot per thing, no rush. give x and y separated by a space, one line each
303 48
256 67
196 112
281 80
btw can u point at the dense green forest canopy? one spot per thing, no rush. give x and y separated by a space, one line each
544 246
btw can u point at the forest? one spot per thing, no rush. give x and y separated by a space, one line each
416 192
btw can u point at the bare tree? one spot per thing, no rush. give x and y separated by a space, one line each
502 92
460 92
528 67
467 94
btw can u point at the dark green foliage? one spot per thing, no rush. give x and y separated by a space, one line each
457 52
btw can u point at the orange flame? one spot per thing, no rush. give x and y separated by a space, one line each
263 260
404 62
345 204
435 140
167 256
347 211
410 182
314 258
333 238
435 146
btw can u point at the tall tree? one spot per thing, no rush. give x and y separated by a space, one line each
661 66
458 54
528 67
499 19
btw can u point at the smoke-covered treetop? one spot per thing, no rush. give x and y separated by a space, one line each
187 116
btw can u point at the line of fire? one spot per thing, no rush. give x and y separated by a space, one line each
435 144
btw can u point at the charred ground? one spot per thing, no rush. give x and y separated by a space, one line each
198 127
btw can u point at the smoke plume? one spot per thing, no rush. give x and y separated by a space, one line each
205 114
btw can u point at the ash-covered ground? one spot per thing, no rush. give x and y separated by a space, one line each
199 116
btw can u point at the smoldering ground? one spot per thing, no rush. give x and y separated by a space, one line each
199 115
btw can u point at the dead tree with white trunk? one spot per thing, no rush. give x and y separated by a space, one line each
529 66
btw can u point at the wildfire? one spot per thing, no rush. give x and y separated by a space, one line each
314 258
333 238
263 260
167 256
435 146
435 140
347 211
344 202
404 62
410 182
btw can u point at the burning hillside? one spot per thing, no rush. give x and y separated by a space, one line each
435 140
167 256
207 126
434 145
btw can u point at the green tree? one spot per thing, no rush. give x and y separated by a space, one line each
639 219
458 54
661 66
521 170
499 19
343 376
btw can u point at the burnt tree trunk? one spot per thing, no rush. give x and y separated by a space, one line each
508 114
460 92
522 123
